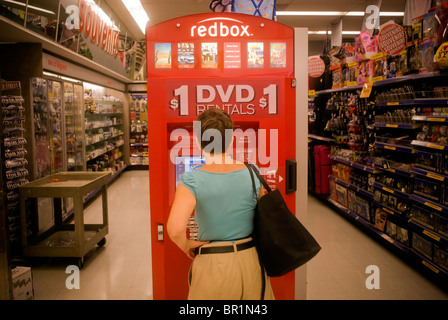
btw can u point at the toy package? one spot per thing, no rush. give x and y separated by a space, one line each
426 57
337 78
363 74
378 67
360 52
430 26
352 79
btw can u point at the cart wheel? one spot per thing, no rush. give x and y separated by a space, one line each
80 263
102 242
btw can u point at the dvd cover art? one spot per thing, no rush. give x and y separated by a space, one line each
162 55
255 55
185 55
278 55
209 55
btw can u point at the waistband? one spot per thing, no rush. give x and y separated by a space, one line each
225 249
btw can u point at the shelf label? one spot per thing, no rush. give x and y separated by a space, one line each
435 176
388 190
366 90
426 264
390 148
435 146
386 237
393 103
431 235
391 125
436 119
433 206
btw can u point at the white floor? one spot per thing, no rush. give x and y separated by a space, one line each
122 268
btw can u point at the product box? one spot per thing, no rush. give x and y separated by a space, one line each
429 160
441 257
342 195
442 226
424 217
333 195
391 229
428 189
380 219
422 245
403 235
22 283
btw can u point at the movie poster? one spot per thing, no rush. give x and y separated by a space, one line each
255 55
162 55
278 55
185 55
209 55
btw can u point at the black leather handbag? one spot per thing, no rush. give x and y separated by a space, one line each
283 243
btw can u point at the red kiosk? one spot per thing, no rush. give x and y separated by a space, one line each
242 64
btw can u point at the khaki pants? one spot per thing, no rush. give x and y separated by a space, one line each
228 276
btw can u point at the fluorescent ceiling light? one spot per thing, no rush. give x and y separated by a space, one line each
336 13
137 12
329 32
30 6
103 15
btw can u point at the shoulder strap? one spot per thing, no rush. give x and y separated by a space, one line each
252 178
263 182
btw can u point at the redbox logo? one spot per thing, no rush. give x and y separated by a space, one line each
220 29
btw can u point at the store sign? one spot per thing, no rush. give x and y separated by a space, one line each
391 39
226 27
235 97
96 29
316 67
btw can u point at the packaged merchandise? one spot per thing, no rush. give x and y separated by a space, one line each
428 189
441 257
337 78
403 235
442 226
342 195
380 219
378 67
363 73
424 217
426 52
422 245
429 160
22 283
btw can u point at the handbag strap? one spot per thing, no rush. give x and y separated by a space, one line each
251 168
263 275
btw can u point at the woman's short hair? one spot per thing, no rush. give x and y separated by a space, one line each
215 123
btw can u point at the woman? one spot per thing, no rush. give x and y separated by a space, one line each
225 264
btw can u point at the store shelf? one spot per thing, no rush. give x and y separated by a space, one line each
430 145
430 174
395 170
429 203
431 118
397 125
354 164
392 190
316 137
394 147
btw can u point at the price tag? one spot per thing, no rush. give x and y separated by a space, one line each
366 90
431 235
433 206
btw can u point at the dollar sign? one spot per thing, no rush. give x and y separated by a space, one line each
263 103
174 104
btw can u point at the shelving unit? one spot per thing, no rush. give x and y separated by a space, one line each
405 156
104 134
139 132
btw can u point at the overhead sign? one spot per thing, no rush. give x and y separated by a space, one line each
316 67
391 38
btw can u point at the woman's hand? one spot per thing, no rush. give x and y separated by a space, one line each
191 245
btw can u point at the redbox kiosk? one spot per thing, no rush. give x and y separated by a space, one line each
242 64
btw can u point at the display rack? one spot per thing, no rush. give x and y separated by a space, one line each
139 132
103 134
396 186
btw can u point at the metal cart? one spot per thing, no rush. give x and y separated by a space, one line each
66 239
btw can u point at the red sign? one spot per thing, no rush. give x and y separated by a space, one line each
316 67
236 97
392 39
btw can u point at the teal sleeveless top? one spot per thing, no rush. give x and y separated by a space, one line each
225 203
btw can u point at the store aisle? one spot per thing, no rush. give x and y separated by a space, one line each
338 272
122 268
